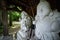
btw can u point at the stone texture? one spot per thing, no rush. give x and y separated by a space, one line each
25 22
47 22
6 38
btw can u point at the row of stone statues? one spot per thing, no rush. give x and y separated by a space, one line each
47 24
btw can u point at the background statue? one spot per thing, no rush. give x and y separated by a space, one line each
25 24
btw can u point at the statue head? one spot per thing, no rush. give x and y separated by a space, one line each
43 8
24 14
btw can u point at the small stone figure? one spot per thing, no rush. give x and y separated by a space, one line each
22 34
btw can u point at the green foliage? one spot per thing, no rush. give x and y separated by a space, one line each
15 15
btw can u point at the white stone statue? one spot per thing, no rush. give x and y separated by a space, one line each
47 22
25 24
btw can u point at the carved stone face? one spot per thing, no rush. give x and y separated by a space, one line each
43 9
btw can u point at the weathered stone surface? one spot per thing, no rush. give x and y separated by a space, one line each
6 37
22 34
47 22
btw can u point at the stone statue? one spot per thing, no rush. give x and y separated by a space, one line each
47 22
25 24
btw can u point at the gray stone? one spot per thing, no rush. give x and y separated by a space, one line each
6 37
25 24
47 22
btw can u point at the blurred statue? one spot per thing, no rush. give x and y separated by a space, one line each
25 24
47 22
